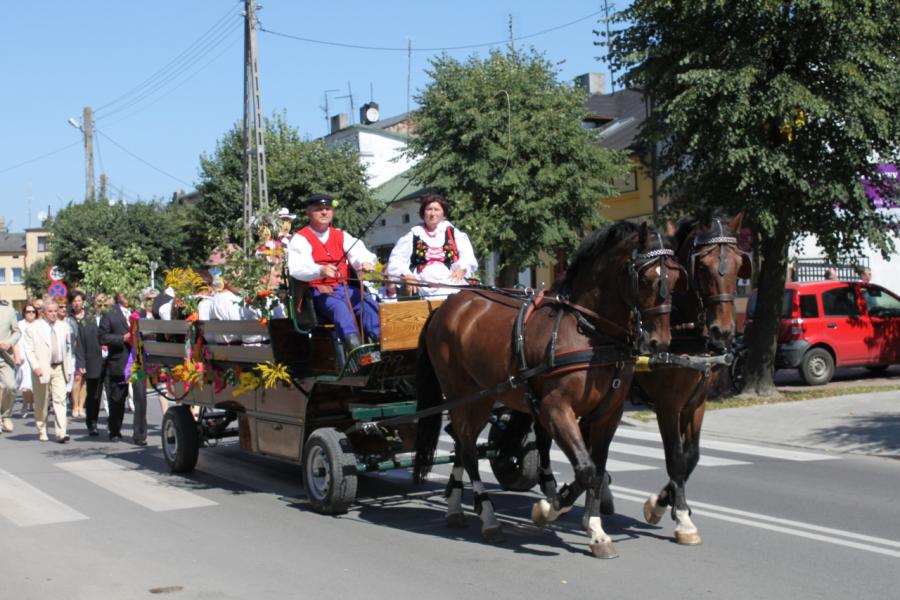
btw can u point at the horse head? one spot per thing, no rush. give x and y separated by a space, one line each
654 276
628 274
710 252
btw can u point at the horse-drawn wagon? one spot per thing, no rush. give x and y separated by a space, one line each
291 393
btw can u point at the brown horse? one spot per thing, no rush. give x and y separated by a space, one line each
582 335
702 324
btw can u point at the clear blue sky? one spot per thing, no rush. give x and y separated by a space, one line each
59 56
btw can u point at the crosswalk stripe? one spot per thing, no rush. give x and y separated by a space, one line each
27 506
659 454
134 486
735 447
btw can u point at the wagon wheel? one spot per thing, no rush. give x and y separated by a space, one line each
517 464
180 439
329 471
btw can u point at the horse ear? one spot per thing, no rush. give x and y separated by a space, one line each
642 235
671 230
735 225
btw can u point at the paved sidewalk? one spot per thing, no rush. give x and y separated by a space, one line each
858 424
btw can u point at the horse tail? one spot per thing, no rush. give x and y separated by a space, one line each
428 429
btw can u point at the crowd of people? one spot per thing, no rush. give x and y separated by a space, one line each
69 360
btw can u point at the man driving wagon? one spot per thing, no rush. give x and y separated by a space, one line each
321 255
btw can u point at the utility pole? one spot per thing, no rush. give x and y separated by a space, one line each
87 126
254 146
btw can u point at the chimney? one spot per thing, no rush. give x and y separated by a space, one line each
3 228
339 122
592 83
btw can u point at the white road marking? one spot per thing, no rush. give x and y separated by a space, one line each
134 485
27 506
612 465
737 448
659 454
819 533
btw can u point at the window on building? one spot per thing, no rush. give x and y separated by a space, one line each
627 182
18 275
43 243
2 275
406 218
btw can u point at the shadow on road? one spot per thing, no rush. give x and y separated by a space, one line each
878 433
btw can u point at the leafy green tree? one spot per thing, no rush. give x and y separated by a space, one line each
504 139
152 226
35 278
109 271
774 108
296 168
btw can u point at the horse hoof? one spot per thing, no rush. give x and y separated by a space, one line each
650 514
456 521
604 550
688 538
540 513
493 535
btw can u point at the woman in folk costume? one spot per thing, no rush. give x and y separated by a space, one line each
434 251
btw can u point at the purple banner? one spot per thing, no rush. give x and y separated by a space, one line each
888 194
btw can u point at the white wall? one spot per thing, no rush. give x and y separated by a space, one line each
885 273
382 157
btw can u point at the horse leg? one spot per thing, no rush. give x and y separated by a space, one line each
686 532
670 429
455 517
568 437
601 436
607 502
547 480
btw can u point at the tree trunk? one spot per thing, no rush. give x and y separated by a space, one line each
760 364
508 276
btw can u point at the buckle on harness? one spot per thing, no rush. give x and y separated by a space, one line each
642 364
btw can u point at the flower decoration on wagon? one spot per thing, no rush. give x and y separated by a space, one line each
188 285
257 282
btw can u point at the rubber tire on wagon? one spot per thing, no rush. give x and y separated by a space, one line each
180 439
518 471
817 366
329 471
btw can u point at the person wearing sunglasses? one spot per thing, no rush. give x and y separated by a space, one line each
23 372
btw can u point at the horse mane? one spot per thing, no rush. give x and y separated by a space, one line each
597 243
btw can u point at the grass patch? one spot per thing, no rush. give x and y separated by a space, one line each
648 415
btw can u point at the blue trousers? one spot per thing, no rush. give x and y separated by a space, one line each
333 308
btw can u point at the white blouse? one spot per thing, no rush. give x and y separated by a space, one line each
437 272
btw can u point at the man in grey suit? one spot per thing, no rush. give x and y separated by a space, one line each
9 336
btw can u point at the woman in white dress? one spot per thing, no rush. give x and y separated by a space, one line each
23 372
433 251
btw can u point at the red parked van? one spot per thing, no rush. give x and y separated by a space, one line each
825 324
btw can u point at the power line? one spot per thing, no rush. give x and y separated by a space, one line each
180 79
135 156
36 158
209 47
440 49
162 71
